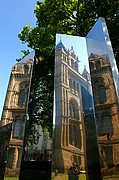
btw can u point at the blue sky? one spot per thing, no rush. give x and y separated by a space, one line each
79 46
14 15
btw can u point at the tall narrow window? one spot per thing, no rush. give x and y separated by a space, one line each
72 110
71 134
26 69
21 99
73 107
74 86
74 134
16 127
19 127
76 66
10 158
101 93
91 66
98 64
106 124
77 88
70 84
72 63
64 58
26 96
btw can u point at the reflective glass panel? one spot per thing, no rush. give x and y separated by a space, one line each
37 152
105 85
14 116
74 137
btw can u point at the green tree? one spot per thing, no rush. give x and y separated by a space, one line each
25 53
75 17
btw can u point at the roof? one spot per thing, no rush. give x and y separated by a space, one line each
59 47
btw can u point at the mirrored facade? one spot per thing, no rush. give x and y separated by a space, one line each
14 115
74 120
105 80
85 139
37 152
86 118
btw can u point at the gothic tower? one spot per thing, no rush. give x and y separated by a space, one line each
14 111
69 143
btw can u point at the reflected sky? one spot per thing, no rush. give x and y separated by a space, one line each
96 47
98 42
96 33
79 46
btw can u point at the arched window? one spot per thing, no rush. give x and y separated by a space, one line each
101 93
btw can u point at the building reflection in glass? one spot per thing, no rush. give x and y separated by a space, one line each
75 132
105 80
37 153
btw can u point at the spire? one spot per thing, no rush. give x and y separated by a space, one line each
85 73
60 46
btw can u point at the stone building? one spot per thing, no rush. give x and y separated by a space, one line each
106 109
69 132
14 111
